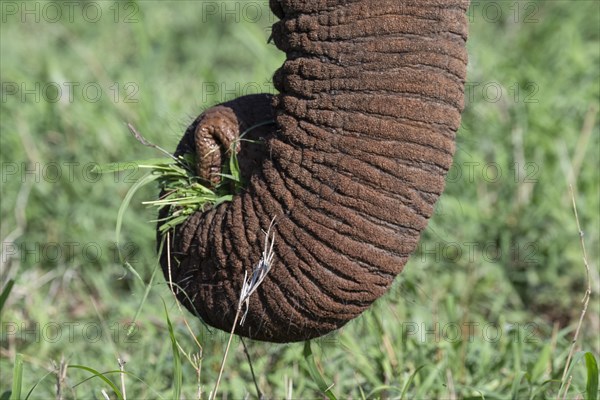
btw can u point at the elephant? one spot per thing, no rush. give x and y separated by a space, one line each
362 135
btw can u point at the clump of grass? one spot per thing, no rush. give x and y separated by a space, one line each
182 189
185 192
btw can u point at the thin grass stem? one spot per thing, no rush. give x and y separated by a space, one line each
248 288
585 300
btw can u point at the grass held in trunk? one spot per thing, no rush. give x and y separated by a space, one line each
181 188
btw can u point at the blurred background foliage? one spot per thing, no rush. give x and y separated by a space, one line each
488 304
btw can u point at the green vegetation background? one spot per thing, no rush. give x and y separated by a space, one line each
486 308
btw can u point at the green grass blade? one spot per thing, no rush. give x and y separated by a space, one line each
257 125
541 364
231 177
591 387
124 166
118 371
409 382
576 358
147 291
427 383
177 370
142 302
124 205
514 391
17 378
101 376
235 174
315 373
172 223
5 292
37 383
362 393
383 388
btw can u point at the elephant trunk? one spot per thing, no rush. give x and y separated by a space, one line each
370 101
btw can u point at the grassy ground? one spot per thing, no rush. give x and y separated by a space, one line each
486 308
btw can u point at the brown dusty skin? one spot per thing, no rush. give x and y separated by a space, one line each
371 95
214 136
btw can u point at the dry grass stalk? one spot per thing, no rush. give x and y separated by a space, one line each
122 368
585 300
61 377
248 288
